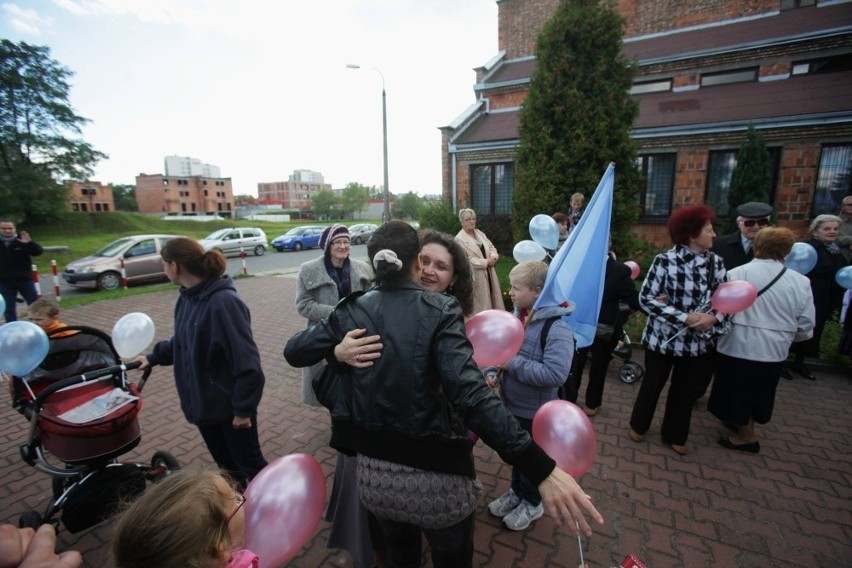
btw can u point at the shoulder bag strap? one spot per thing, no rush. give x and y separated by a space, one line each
774 280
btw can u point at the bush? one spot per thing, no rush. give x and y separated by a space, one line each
498 229
440 217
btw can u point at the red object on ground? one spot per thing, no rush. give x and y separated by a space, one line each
630 561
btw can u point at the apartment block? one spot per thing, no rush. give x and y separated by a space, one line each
180 195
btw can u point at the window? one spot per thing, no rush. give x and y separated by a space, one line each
491 188
790 4
651 87
720 170
834 180
726 77
659 173
141 248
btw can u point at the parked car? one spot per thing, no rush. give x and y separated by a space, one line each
102 270
233 240
361 232
298 238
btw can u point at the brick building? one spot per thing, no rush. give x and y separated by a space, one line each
195 195
296 193
90 196
706 68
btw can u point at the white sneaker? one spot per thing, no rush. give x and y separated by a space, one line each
504 504
522 515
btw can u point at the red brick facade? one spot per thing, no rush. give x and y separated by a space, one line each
797 144
184 195
90 196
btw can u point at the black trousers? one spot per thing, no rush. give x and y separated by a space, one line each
601 353
236 451
689 379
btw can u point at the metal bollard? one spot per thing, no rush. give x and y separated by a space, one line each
123 274
243 257
56 291
35 280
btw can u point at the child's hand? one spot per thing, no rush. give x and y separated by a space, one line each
492 381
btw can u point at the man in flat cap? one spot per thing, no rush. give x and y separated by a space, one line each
736 248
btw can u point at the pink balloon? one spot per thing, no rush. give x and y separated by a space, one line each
564 431
733 296
496 336
634 269
284 504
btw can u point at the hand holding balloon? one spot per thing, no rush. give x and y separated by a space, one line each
496 336
284 504
634 269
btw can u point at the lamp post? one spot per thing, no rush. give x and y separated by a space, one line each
386 211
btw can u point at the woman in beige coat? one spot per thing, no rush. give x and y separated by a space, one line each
483 256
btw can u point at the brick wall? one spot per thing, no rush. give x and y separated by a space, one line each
160 194
520 22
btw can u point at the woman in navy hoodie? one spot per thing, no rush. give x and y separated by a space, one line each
216 362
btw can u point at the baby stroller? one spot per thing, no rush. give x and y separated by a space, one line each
83 412
630 371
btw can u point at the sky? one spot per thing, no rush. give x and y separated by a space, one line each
260 88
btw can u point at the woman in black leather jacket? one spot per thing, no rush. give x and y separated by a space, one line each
407 415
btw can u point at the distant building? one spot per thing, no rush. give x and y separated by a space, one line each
90 196
706 69
184 195
296 193
184 166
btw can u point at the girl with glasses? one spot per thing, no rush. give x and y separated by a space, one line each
190 519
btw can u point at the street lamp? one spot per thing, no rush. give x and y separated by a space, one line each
386 212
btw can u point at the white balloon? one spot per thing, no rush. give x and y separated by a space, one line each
132 334
545 231
528 250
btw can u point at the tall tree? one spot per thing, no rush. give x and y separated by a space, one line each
354 197
751 178
124 197
577 118
407 205
325 203
39 133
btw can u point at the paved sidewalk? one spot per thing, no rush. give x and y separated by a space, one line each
790 505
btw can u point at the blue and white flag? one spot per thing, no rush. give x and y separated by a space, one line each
577 271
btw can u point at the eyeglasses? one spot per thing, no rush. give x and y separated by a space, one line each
240 499
341 243
752 222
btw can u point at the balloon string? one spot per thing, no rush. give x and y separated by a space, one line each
580 544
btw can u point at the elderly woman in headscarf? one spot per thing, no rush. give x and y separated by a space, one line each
322 283
483 256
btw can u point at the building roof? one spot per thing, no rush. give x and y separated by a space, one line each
814 98
789 25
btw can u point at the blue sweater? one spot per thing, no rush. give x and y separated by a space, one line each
533 377
216 361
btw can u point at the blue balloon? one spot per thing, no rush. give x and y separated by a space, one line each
545 231
23 346
844 277
802 258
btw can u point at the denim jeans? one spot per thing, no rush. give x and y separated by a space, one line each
452 547
521 484
236 451
10 295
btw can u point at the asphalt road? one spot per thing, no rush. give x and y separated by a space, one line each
272 261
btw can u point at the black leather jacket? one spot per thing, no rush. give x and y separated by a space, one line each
416 403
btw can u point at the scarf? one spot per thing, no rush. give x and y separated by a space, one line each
340 276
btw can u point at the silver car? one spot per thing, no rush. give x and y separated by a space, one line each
232 241
102 270
361 232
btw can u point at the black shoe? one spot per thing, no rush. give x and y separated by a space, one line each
753 447
730 426
803 372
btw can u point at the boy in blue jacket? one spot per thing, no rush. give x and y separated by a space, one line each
530 379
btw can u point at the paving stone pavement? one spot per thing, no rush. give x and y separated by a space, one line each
790 505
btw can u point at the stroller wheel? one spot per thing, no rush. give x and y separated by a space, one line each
631 372
30 519
162 464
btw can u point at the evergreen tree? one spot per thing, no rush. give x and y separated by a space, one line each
39 131
751 178
577 119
